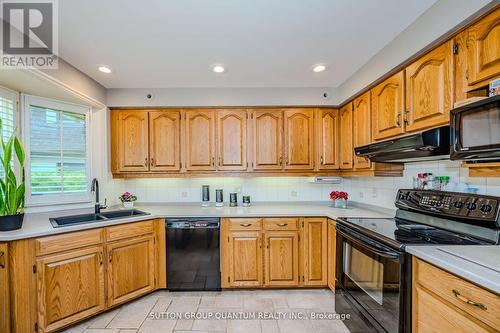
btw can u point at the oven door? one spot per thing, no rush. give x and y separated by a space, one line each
370 275
475 131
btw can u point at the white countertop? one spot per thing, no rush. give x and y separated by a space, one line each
479 264
38 224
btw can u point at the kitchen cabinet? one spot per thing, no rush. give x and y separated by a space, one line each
164 140
245 258
443 302
131 268
4 288
70 286
232 140
429 89
388 104
200 140
328 139
299 139
331 253
314 237
130 141
361 128
346 141
483 50
267 139
281 258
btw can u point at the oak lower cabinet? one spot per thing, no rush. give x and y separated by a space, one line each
4 288
314 238
245 258
332 241
70 287
130 269
443 302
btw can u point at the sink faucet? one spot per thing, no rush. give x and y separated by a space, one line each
95 189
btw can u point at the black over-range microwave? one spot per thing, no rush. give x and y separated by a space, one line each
475 131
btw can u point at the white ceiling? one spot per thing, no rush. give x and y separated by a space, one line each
262 43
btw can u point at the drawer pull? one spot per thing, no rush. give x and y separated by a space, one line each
282 224
245 224
468 301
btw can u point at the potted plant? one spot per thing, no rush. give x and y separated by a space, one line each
11 192
127 200
339 199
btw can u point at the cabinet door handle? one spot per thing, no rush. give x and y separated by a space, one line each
406 120
457 294
110 255
100 258
152 161
398 120
267 243
146 161
282 224
321 160
281 160
2 259
245 224
213 161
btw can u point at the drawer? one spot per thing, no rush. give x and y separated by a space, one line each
281 223
458 292
69 241
129 230
245 224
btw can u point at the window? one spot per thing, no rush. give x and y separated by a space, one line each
8 114
57 145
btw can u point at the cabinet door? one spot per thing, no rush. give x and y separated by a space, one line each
483 45
328 139
267 139
70 287
388 107
232 140
299 139
315 251
429 93
4 289
332 241
164 140
131 140
281 258
346 141
362 128
245 259
131 268
200 140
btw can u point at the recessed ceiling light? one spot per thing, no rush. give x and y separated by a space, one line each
218 69
319 68
104 69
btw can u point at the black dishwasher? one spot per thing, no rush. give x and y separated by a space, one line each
193 254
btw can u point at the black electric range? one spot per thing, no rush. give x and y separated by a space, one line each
373 271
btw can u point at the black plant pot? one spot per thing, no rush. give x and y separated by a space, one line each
11 222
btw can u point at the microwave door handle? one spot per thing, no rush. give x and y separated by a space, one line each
358 239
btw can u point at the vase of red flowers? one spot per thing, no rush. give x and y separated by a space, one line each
339 199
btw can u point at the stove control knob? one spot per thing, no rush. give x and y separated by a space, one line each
458 204
485 208
471 206
439 204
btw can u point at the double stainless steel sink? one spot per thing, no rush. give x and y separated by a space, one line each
65 221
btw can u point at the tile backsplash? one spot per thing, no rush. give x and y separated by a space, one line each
378 191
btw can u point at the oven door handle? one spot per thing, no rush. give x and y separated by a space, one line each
368 243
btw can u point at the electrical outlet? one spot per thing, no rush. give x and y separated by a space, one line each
184 194
294 194
374 192
361 195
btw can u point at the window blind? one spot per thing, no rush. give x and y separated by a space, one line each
58 151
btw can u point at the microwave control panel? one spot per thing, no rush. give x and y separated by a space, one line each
458 205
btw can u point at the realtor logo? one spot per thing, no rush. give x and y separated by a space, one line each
29 36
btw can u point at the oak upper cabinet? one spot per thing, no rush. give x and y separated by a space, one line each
387 107
4 289
232 140
200 140
130 269
429 89
328 139
346 141
267 139
299 139
483 46
164 140
362 128
314 238
130 140
331 249
70 287
245 258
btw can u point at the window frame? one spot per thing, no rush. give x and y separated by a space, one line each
14 95
55 199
